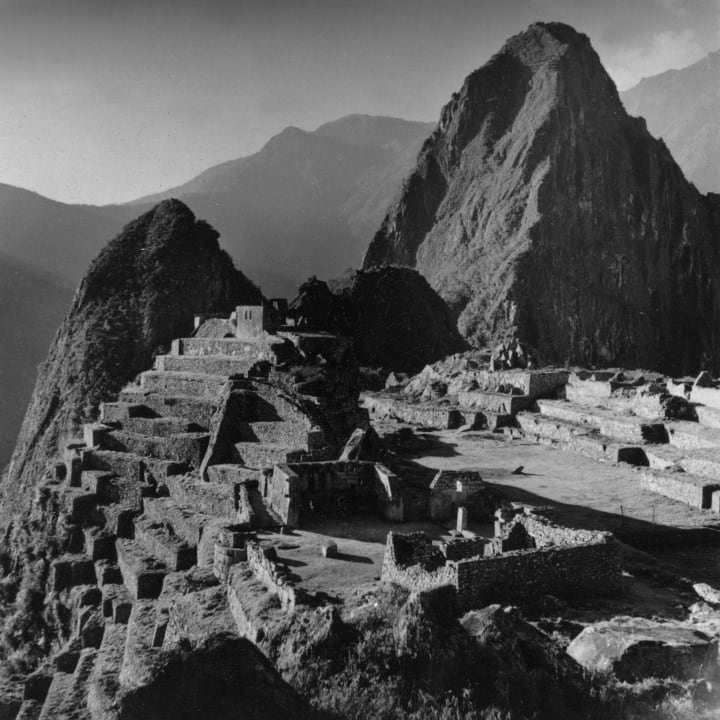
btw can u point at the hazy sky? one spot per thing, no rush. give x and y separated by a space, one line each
106 100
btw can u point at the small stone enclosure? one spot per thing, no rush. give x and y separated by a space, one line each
528 557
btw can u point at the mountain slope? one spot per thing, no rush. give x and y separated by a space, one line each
33 306
540 208
683 108
307 203
140 292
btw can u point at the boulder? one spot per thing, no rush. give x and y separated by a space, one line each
636 648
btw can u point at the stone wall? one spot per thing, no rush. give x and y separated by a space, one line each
411 560
564 562
274 578
563 570
427 415
331 487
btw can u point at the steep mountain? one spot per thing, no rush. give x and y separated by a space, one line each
140 292
33 304
683 108
396 319
307 202
52 237
539 208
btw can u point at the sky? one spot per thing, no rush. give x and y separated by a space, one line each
103 101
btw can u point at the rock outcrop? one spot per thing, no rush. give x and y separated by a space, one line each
395 319
539 209
139 293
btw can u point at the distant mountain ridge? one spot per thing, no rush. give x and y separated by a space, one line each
308 202
683 108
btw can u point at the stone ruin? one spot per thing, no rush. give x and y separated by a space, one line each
527 557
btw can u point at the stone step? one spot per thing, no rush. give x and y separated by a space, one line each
118 519
97 482
692 436
160 426
625 428
196 409
291 433
116 604
579 439
262 455
211 498
495 402
223 365
104 681
184 521
29 710
140 659
684 487
182 383
142 573
708 416
162 543
184 448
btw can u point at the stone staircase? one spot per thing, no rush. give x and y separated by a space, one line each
138 517
611 420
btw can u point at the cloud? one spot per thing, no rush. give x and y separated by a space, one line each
666 50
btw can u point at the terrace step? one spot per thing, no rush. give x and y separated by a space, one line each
118 519
104 681
185 521
261 455
625 428
70 570
78 504
212 498
29 710
704 462
693 436
111 412
182 383
116 604
706 396
138 469
579 439
160 426
184 448
162 543
143 574
663 457
229 473
66 698
684 487
292 433
140 658
244 349
223 365
60 689
99 544
107 573
196 409
494 402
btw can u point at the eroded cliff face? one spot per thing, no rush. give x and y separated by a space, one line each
540 208
140 292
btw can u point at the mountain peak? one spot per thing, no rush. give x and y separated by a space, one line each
535 171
